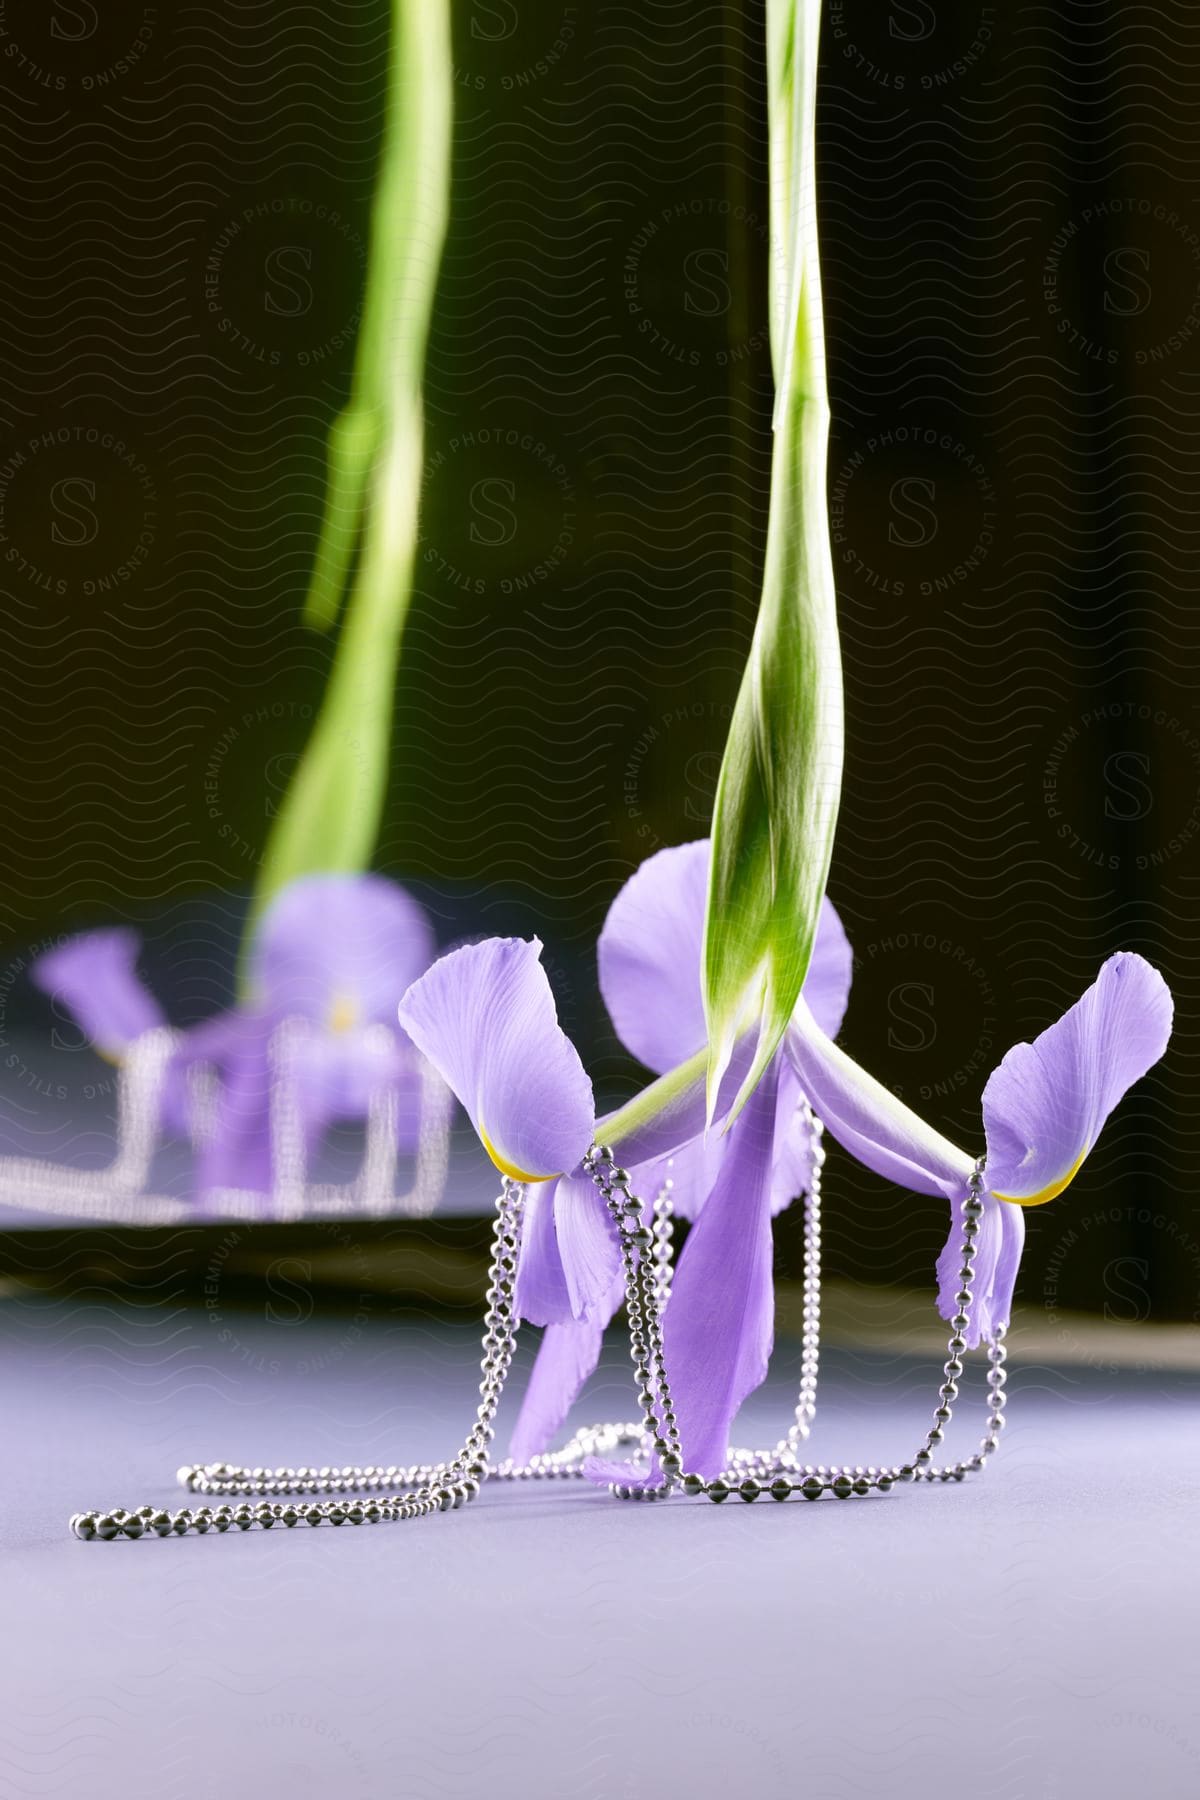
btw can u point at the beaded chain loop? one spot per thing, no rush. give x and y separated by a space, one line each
779 1472
375 1495
391 1493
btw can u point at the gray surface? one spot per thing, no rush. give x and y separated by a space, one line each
1029 1635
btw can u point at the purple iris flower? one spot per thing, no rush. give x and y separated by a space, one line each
329 958
485 1017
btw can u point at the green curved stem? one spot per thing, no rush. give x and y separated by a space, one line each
329 820
780 783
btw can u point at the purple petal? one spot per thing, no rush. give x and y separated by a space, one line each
870 1122
650 955
602 1470
693 1168
336 1075
671 1140
692 1171
485 1018
207 1045
340 950
996 1305
339 1075
540 1294
791 1172
220 1037
1045 1105
719 1324
670 1113
566 1357
223 1041
95 978
589 1245
826 987
237 1152
997 1259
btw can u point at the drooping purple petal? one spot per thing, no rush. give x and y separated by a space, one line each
570 1346
997 1308
719 1325
540 1295
332 1078
692 1171
720 1321
567 1356
235 1151
340 950
485 1017
994 1271
95 979
1045 1105
204 1047
868 1120
588 1244
650 953
792 1163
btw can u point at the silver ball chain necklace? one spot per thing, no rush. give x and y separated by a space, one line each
374 1495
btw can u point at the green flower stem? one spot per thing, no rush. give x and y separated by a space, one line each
669 1112
625 1130
329 820
780 783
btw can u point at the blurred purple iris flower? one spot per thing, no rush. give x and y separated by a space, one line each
330 957
485 1017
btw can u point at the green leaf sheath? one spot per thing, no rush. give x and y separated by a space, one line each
777 797
329 820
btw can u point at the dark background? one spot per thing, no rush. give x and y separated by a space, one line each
1011 247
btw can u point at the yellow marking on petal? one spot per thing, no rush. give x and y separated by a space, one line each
343 1014
507 1168
1047 1193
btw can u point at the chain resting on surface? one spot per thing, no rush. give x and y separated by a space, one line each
370 1495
